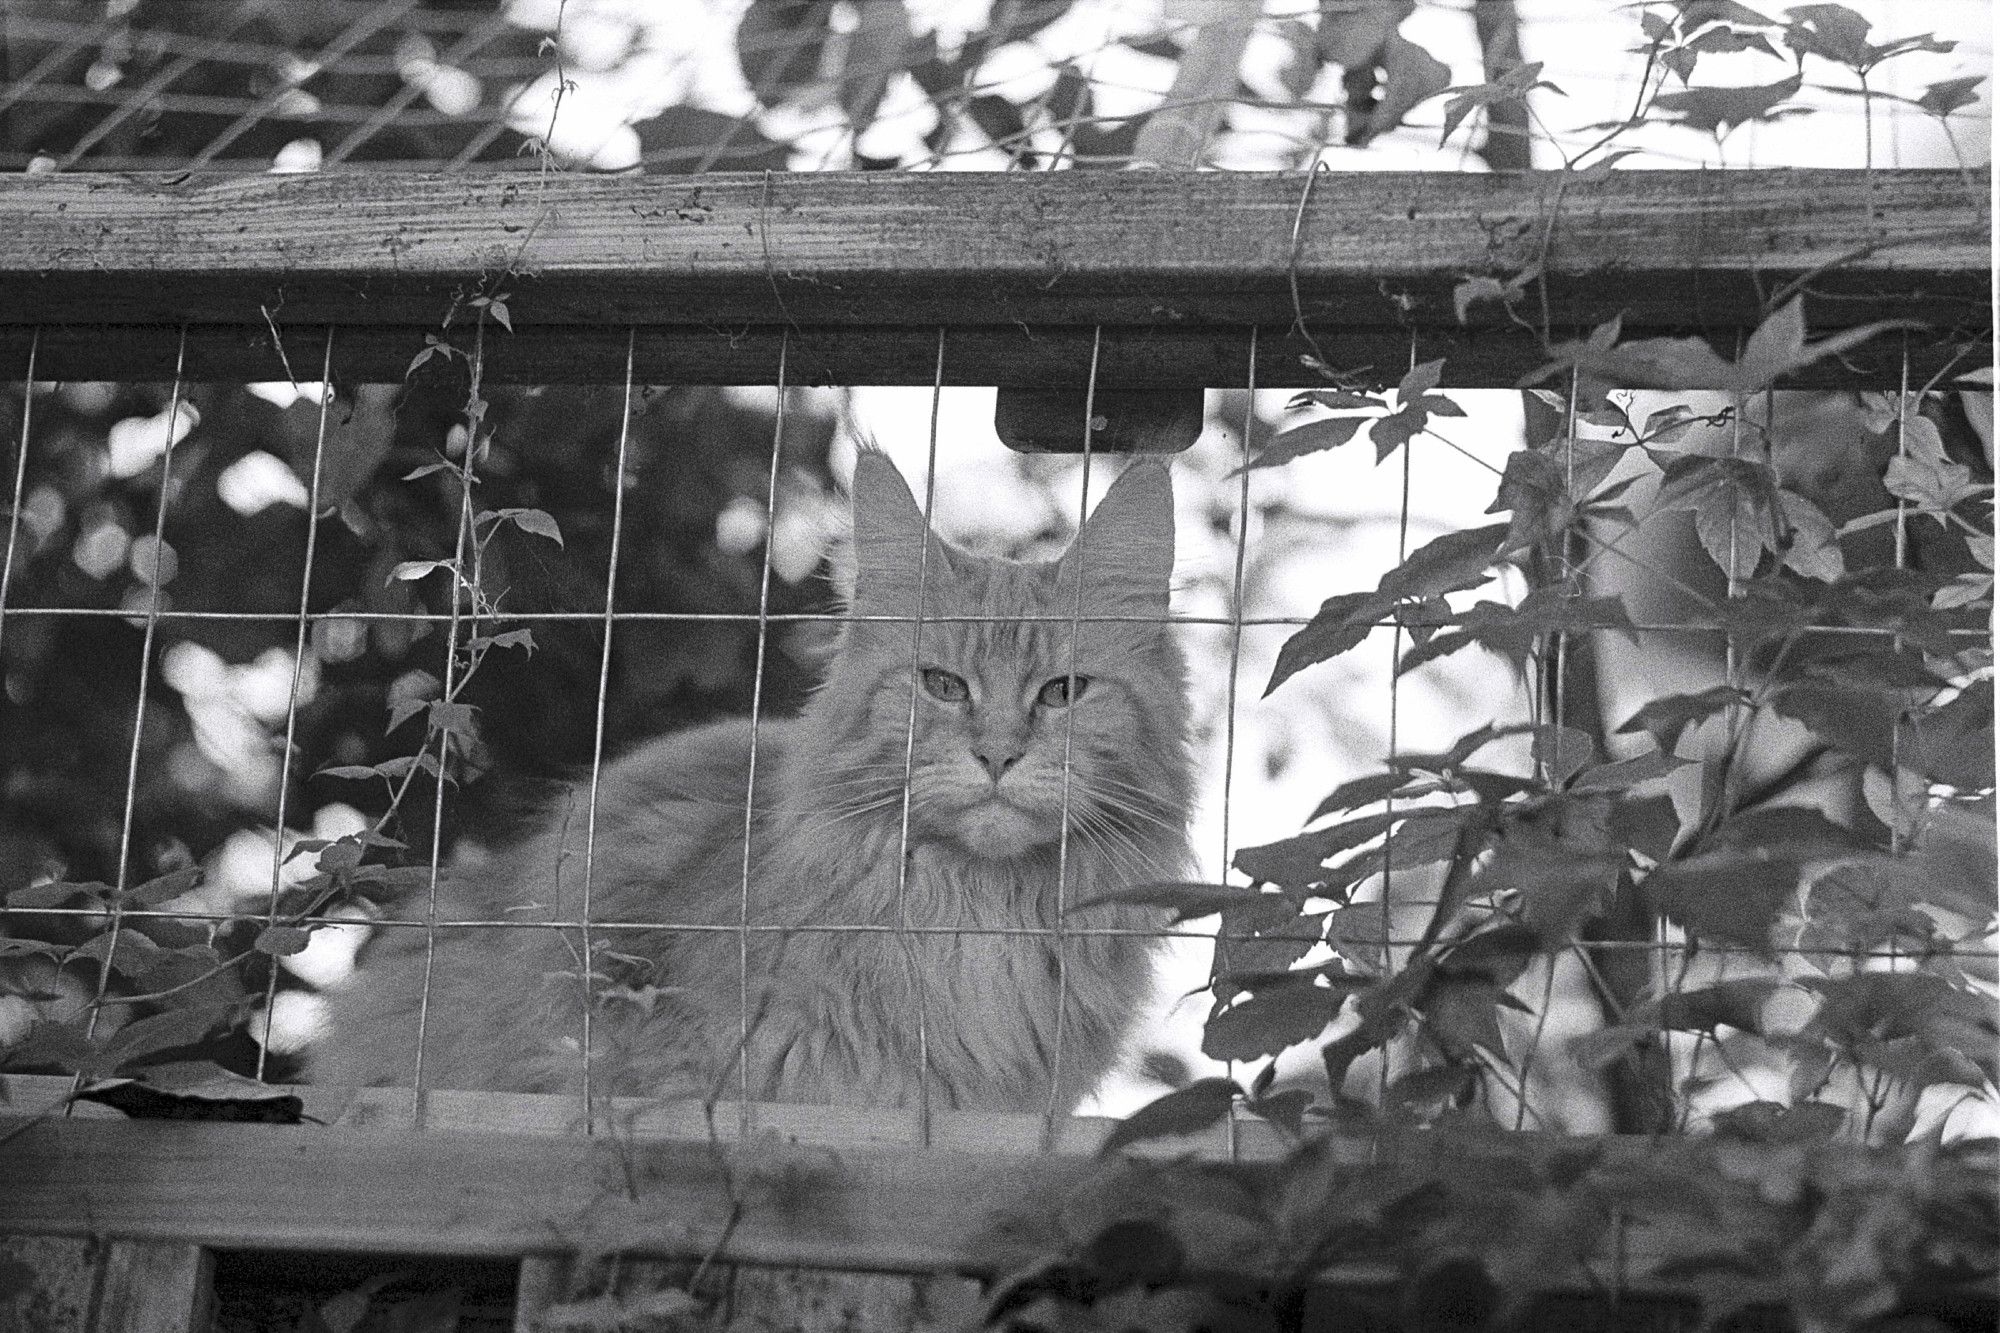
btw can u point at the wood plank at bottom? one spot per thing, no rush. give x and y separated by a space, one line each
155 1287
82 1284
308 1187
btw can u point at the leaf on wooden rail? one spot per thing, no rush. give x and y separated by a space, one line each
1187 1110
1186 901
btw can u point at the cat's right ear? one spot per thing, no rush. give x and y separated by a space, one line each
889 538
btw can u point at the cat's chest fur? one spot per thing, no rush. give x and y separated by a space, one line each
981 986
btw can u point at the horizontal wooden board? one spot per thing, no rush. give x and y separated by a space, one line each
309 1187
651 1119
1043 357
769 1200
867 266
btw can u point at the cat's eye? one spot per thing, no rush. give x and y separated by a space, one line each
1063 691
944 687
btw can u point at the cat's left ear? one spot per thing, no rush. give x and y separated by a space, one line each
1126 548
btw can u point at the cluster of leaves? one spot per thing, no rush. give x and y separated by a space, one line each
446 525
1873 662
1469 1229
1677 35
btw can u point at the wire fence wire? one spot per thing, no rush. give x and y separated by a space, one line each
468 618
399 84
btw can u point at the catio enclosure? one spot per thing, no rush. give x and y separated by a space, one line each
417 334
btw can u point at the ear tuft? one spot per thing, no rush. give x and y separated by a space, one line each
1126 547
889 537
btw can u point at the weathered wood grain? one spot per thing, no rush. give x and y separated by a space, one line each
85 1284
314 1188
638 1119
869 265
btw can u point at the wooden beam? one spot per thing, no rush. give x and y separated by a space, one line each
1008 355
306 1187
869 265
85 1284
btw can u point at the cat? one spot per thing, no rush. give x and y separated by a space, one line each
832 1015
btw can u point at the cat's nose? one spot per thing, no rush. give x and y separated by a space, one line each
996 761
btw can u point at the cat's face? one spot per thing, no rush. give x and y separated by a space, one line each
1020 705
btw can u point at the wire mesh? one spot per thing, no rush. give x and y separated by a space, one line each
395 64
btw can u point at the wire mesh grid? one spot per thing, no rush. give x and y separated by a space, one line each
1668 954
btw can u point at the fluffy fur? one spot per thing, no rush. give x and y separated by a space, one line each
833 1015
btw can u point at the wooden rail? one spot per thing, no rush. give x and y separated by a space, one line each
859 271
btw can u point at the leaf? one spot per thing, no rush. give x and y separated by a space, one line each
498 309
339 855
1133 1253
1647 825
1954 744
283 941
1736 524
1271 1020
352 772
1186 1110
1336 399
146 1036
454 719
1717 111
1515 632
1942 98
1341 624
1855 720
1623 773
1726 897
1286 1108
1775 1123
408 570
1690 363
1309 438
1667 717
1410 76
534 521
1186 901
196 1090
514 638
1562 751
1606 1045
1296 861
1463 1016
1810 547
1427 1088
47 1043
1925 476
1738 1004
55 894
1837 33
163 888
1419 380
1451 563
1364 791
127 951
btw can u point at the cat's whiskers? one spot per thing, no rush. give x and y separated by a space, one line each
1148 799
1102 803
1125 857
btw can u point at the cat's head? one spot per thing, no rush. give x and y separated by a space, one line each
1017 673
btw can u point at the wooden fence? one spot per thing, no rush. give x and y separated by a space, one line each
116 277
